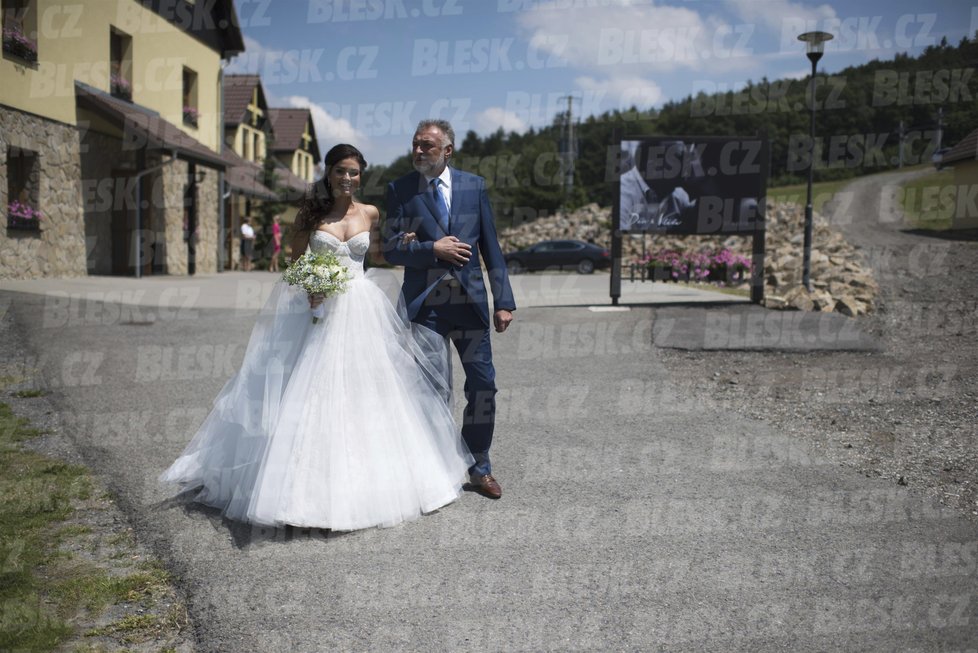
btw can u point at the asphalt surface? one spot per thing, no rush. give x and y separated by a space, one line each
633 516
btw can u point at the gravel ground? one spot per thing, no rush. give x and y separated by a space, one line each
909 413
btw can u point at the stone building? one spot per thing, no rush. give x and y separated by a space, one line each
111 136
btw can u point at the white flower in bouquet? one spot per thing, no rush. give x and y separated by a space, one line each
318 274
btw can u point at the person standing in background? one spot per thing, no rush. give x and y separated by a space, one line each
247 244
276 243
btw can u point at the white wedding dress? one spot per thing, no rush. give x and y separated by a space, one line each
344 424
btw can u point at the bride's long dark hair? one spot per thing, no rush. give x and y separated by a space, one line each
318 202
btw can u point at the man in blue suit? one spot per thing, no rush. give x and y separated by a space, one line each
438 221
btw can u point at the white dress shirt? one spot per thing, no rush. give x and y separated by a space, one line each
444 186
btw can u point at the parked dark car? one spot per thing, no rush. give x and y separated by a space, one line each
559 255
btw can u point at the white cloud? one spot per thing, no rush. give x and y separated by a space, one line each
260 60
617 50
329 129
623 92
636 38
491 119
786 18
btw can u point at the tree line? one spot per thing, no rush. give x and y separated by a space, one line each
861 113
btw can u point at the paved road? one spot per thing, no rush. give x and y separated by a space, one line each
247 291
633 518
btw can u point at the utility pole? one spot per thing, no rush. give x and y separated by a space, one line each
568 147
900 148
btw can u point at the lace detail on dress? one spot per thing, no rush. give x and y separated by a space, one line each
349 252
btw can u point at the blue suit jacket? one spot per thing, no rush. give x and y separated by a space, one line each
410 209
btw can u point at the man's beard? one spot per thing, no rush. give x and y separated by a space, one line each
427 167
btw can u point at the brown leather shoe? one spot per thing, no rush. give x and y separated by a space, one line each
486 485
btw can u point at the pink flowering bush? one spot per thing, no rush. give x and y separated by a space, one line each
708 266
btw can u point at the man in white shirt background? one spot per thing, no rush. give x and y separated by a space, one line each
247 244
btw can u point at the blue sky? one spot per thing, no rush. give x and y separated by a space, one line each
371 69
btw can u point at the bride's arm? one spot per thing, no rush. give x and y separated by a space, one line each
300 241
376 251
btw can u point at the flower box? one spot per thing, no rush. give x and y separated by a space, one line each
190 116
120 87
16 43
22 216
23 224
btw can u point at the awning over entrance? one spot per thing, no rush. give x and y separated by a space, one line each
143 127
244 177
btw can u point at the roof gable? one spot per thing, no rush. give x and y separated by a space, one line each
238 91
214 23
965 150
289 126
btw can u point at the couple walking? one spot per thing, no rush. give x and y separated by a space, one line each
344 424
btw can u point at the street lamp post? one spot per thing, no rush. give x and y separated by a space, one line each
815 46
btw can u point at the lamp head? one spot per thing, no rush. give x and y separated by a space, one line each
815 44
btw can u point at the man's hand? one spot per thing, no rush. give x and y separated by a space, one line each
452 250
501 319
408 238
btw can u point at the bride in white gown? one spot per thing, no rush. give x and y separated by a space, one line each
343 424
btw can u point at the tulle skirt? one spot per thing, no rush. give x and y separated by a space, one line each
344 424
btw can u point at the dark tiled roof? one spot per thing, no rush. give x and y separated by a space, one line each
289 125
244 176
237 94
965 150
152 131
214 23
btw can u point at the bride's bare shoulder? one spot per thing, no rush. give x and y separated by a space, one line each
370 211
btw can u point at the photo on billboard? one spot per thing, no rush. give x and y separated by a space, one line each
692 185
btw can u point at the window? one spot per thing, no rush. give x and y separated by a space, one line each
190 112
23 182
120 64
248 143
566 245
20 29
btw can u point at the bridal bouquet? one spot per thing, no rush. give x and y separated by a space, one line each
318 274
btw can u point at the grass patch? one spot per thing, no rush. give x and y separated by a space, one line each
822 192
14 429
7 380
88 587
929 201
29 394
134 629
43 588
35 494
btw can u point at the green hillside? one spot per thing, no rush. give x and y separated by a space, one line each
859 113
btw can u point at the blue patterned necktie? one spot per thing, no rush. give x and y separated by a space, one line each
440 205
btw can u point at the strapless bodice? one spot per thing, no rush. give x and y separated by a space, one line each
349 252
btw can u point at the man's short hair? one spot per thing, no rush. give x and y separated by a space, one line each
443 125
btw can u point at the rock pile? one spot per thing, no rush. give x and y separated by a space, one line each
839 281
